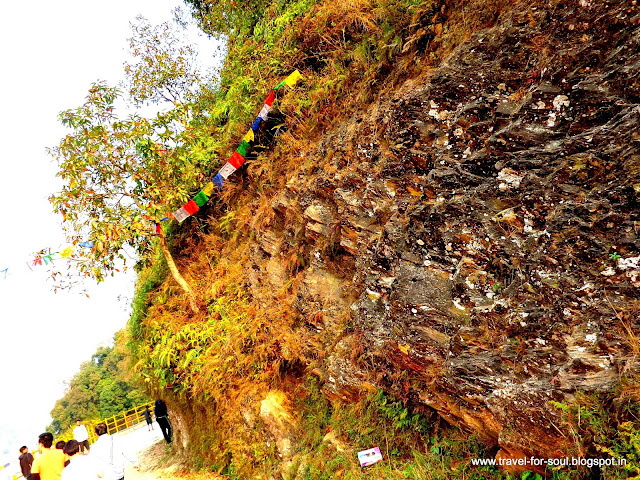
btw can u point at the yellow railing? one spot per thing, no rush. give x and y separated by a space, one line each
124 420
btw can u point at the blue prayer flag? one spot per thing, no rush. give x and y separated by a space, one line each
218 181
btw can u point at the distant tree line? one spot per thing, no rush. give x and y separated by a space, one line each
103 387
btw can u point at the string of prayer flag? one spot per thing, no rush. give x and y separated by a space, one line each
201 198
237 158
226 170
218 181
46 257
191 207
249 137
243 148
181 215
235 161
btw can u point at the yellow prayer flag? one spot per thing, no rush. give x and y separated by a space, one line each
67 252
249 137
208 189
292 79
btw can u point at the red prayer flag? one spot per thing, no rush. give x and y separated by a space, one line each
236 160
270 98
158 228
191 207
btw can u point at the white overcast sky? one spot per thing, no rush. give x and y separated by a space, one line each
51 52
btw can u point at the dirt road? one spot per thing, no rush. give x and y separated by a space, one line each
156 458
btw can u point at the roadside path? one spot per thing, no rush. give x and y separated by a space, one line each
156 460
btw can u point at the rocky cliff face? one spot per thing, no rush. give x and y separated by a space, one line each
472 239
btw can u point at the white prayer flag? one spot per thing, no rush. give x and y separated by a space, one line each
181 214
264 113
226 170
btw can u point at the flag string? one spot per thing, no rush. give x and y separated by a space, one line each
235 161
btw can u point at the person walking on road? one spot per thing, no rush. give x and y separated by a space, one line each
26 460
162 417
147 417
81 436
109 455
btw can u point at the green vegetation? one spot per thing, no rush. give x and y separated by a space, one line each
414 445
103 387
600 431
122 174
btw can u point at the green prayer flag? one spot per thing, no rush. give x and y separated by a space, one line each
281 84
243 148
201 198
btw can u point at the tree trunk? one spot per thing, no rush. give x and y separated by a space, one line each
176 274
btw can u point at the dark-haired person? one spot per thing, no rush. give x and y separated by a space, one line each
162 417
80 467
147 417
49 464
26 460
60 446
110 455
81 435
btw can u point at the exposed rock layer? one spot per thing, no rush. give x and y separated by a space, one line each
468 228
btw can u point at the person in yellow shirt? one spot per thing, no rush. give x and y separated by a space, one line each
49 464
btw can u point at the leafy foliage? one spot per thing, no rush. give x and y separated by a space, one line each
116 172
601 432
164 69
400 414
206 358
227 16
422 450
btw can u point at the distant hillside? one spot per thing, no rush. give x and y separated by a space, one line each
103 387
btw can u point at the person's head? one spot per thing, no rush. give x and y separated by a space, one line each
100 429
78 423
45 440
60 445
24 449
71 448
